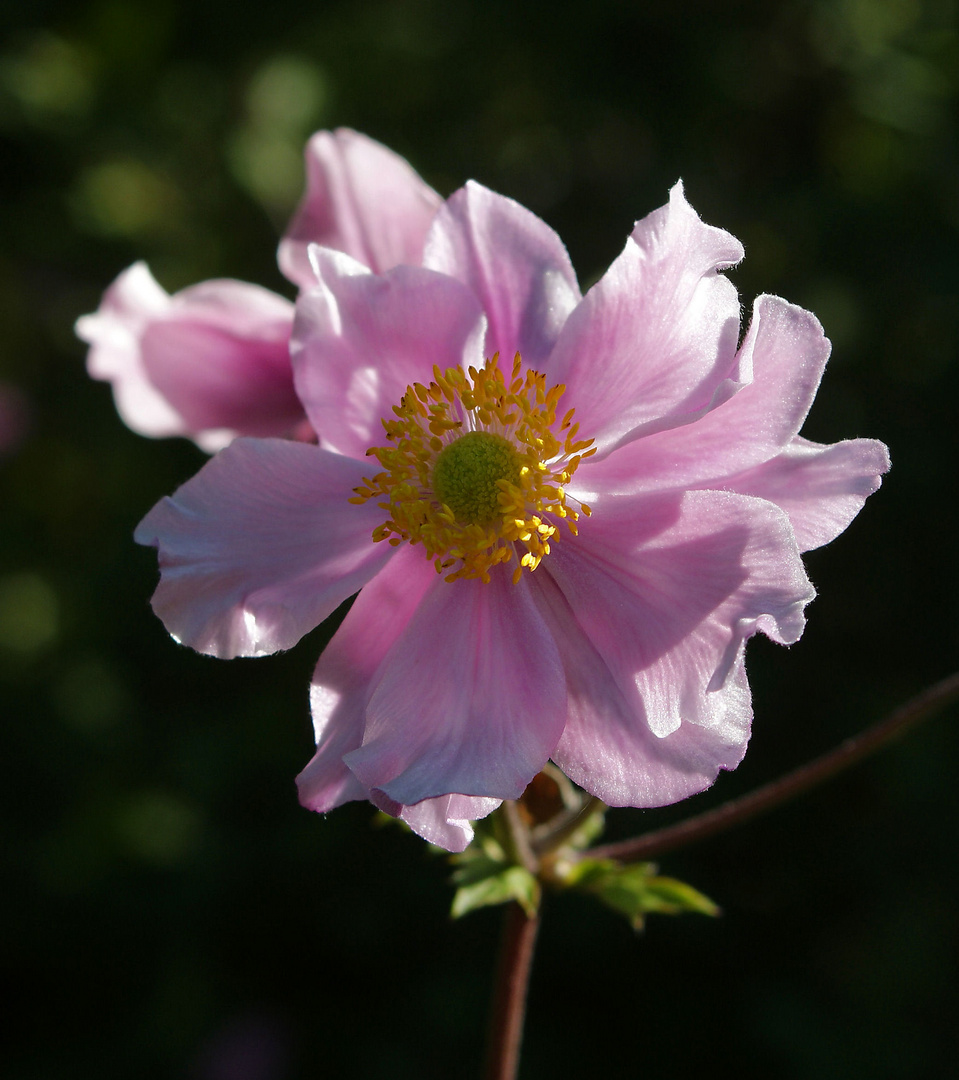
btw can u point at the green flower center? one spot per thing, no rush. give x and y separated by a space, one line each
467 474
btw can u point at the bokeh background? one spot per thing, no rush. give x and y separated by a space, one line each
167 909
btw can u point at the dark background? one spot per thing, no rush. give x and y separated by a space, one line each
167 909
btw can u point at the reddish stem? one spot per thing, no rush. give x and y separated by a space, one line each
735 811
509 993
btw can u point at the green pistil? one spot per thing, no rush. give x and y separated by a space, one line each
467 472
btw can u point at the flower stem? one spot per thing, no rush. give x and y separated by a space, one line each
509 993
786 787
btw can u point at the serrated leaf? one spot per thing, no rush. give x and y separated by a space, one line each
508 883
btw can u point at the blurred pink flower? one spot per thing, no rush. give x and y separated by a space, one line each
212 362
500 623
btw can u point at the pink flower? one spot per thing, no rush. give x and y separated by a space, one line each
212 362
560 556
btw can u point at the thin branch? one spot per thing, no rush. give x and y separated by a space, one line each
734 812
509 993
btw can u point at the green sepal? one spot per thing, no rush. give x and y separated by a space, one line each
483 881
635 889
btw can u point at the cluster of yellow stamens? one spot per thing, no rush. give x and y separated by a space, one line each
475 472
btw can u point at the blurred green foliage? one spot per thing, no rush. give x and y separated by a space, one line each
167 908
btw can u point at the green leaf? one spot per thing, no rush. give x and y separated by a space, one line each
498 885
635 889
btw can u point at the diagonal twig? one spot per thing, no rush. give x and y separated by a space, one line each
794 783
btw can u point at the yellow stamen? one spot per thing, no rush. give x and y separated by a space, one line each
474 469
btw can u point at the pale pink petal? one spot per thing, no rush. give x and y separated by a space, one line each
821 488
341 691
608 748
778 369
220 357
113 334
360 198
210 362
514 263
654 341
260 547
666 590
360 339
470 700
446 820
342 681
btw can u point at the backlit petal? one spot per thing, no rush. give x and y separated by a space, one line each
608 748
514 263
653 342
360 339
260 547
778 369
667 589
470 700
210 362
445 820
821 488
342 681
113 333
362 199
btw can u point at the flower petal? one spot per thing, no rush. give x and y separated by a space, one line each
360 198
666 590
341 686
609 749
821 488
211 362
514 263
341 691
778 369
260 547
221 358
360 339
445 821
653 341
470 700
113 333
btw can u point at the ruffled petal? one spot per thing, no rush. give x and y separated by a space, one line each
360 198
360 339
608 748
778 369
113 333
821 488
341 685
221 358
654 341
260 547
514 263
446 821
666 590
341 691
470 700
210 362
